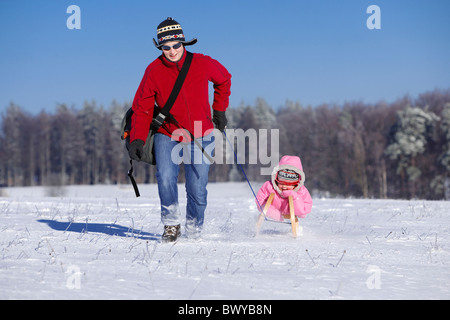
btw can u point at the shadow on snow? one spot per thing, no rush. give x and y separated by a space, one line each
109 229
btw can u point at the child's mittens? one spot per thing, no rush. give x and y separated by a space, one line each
287 193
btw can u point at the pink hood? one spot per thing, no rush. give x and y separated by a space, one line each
289 162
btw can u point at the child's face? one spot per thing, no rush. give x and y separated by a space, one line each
284 187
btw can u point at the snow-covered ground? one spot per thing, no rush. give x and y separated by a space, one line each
100 242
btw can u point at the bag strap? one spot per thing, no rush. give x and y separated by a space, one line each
133 182
165 111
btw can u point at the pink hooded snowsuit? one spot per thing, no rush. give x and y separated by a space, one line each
280 205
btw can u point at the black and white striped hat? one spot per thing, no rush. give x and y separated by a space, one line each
170 30
289 177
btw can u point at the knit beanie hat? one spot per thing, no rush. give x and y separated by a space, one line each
170 30
287 177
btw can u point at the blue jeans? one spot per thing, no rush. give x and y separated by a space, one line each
169 154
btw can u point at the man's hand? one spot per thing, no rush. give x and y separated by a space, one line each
136 149
220 120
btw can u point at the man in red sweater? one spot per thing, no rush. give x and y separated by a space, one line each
191 111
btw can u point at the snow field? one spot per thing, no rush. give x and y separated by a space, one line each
100 242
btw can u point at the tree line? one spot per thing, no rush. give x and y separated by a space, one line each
383 150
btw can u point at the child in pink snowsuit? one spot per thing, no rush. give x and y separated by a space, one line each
287 180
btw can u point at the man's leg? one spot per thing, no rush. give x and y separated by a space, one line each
196 172
167 177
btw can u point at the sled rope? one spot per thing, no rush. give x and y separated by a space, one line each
246 178
249 184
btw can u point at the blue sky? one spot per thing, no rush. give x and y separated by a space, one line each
312 52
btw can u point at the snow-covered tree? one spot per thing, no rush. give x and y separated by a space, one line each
409 139
444 158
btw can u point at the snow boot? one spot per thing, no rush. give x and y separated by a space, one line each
171 233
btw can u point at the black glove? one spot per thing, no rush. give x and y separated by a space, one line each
220 120
136 149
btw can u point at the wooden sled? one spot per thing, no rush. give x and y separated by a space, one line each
291 216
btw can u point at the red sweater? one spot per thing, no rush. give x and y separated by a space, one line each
192 104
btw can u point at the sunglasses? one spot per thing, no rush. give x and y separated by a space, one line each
175 46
